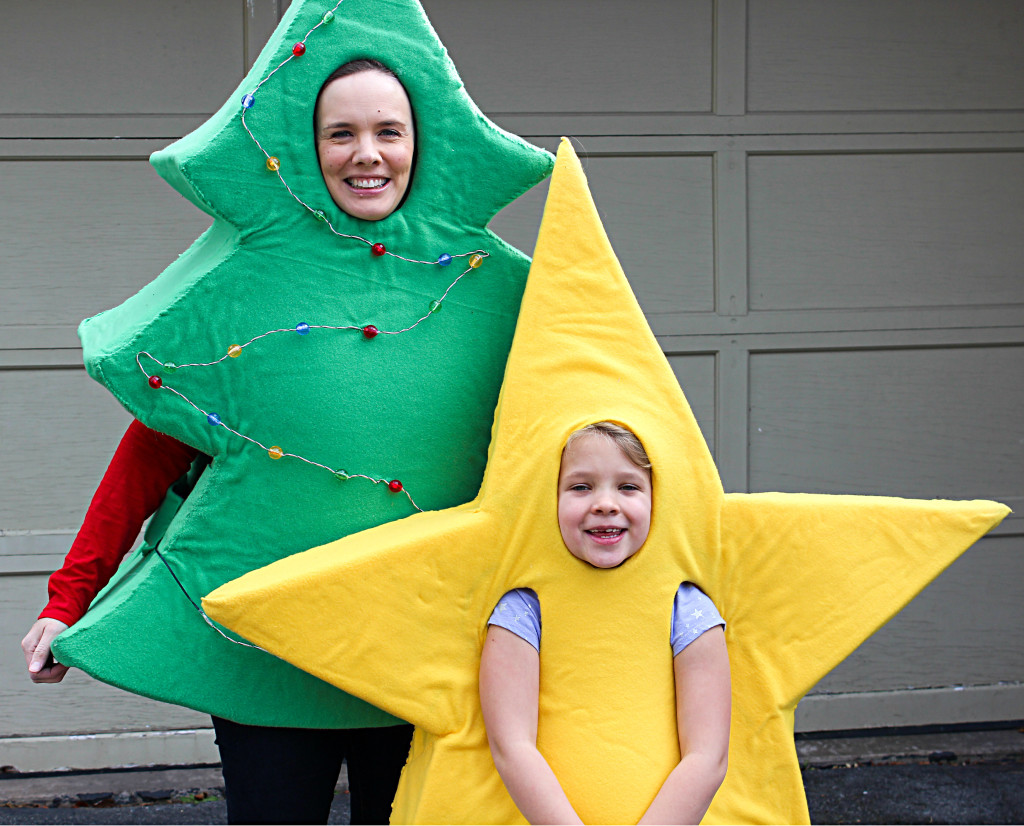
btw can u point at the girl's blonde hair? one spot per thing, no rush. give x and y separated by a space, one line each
625 439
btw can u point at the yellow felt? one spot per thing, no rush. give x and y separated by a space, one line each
397 614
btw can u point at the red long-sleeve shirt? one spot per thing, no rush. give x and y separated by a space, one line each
145 464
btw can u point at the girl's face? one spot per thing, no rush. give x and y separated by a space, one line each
365 142
604 502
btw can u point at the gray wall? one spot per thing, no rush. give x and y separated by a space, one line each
819 205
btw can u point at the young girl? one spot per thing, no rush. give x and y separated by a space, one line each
604 515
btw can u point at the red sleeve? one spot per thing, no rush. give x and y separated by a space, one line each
144 466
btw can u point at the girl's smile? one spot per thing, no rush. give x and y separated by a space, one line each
606 536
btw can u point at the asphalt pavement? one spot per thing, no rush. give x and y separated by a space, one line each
941 778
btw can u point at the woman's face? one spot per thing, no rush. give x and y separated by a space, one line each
365 142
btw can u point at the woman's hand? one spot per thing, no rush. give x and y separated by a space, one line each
36 647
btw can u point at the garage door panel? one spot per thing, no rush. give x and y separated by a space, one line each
696 375
80 236
671 263
519 222
925 423
575 56
884 55
964 629
80 703
885 230
138 58
58 429
658 212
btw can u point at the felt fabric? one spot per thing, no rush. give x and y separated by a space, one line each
416 406
800 579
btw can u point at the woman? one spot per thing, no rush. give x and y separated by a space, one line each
365 143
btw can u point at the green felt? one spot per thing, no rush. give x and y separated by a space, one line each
416 406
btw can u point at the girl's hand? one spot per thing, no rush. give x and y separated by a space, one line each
36 647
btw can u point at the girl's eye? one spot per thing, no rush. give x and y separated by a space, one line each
629 486
579 486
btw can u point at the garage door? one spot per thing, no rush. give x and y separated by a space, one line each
819 205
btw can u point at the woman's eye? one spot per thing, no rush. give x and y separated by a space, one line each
341 133
390 133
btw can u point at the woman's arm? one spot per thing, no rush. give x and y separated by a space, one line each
509 696
145 464
703 711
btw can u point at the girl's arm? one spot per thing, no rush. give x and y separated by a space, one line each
509 696
703 711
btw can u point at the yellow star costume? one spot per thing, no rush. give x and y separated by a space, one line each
397 614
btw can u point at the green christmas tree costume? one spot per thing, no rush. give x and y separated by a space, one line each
413 403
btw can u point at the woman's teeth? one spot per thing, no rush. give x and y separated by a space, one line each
366 183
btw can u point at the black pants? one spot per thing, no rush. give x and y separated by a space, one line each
288 775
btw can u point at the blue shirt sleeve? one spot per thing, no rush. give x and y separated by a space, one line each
519 612
693 613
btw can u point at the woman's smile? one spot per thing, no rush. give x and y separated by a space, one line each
366 184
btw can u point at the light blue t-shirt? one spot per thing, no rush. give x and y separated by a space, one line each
693 613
